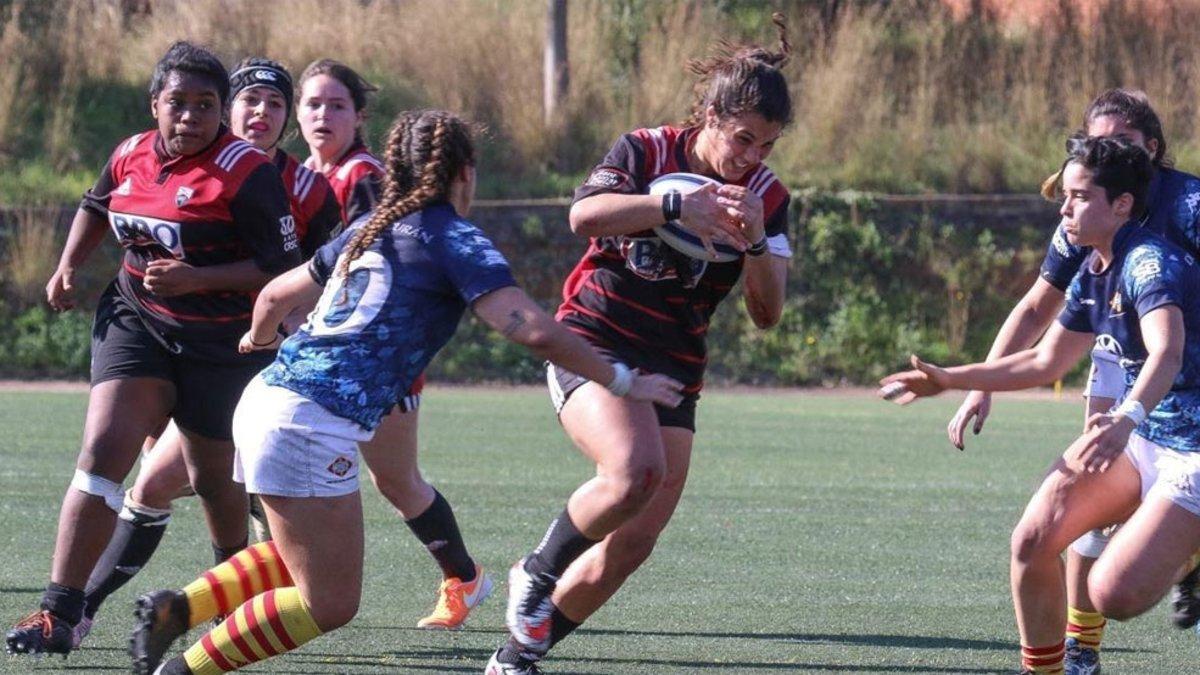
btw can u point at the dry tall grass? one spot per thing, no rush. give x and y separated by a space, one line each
30 251
909 96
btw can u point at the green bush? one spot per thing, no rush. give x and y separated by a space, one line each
41 343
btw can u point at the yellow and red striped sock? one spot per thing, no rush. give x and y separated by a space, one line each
1043 660
1086 627
220 590
267 625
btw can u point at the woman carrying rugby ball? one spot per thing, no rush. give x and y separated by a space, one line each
646 305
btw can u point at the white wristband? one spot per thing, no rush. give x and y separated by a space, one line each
622 380
1132 410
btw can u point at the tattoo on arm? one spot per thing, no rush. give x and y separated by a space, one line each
515 322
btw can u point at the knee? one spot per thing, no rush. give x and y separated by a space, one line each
154 491
633 487
1031 543
1114 597
210 487
400 486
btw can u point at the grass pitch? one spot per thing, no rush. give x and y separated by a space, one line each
819 533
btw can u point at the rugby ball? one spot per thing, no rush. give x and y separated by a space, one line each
673 234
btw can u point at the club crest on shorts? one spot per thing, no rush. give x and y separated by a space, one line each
183 195
340 467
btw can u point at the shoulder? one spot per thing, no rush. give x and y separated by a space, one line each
1150 257
306 185
763 182
132 149
358 166
658 143
237 158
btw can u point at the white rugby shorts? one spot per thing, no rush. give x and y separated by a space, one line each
1107 377
1169 474
289 446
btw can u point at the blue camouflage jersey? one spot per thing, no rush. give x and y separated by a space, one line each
1147 272
375 330
1172 210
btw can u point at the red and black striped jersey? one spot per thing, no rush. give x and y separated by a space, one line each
222 205
318 214
634 295
357 181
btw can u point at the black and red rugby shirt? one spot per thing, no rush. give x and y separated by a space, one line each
222 205
357 181
318 214
639 298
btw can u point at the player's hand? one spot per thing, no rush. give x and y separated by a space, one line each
167 278
925 379
60 290
658 389
248 344
977 405
702 214
744 209
1104 441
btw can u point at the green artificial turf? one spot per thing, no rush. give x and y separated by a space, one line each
818 533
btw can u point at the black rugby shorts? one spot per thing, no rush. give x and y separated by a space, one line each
206 391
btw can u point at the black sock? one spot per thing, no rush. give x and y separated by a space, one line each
220 555
560 547
438 530
514 653
64 602
560 626
134 541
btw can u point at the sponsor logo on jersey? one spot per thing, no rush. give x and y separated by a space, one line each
1115 304
287 228
1108 343
125 188
183 195
606 178
141 231
650 258
1147 269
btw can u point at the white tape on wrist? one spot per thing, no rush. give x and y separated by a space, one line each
622 380
1132 410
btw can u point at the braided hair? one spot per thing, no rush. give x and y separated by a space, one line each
426 150
740 79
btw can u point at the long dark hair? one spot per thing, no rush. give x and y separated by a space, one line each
1132 106
426 149
739 79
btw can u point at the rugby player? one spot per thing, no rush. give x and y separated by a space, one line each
1137 295
391 288
333 101
261 90
1173 210
205 222
640 302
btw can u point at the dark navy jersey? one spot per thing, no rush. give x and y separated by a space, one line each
1172 210
374 331
318 214
634 295
357 181
222 205
1147 272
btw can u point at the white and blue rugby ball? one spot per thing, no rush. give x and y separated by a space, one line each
674 234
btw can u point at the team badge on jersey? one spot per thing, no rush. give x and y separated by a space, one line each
1115 304
126 187
183 195
607 178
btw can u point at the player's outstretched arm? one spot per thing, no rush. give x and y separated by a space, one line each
1027 321
511 312
292 289
1107 433
1049 361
